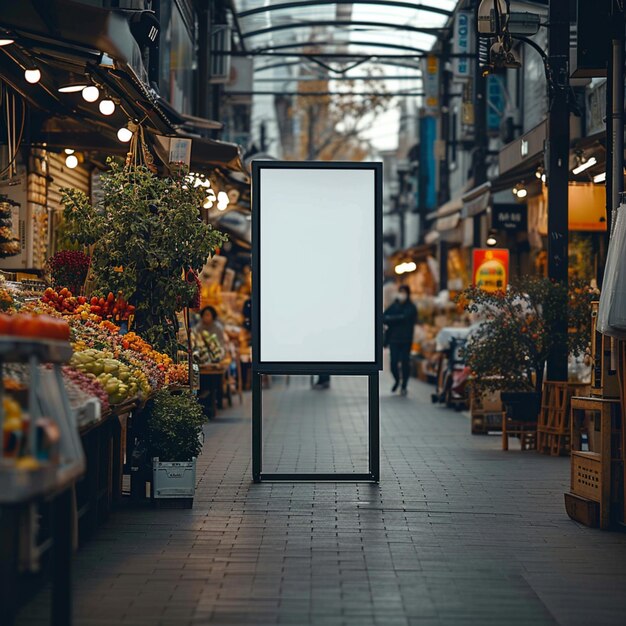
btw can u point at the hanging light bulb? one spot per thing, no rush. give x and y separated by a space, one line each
32 75
491 241
124 135
107 106
522 193
69 151
222 201
91 93
6 41
71 161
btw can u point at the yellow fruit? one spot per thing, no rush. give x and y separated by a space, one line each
27 463
12 409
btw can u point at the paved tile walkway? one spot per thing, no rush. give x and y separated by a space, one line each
457 532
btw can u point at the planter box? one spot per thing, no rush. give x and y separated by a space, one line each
173 483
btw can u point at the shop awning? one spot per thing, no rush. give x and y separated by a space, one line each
476 200
75 23
448 208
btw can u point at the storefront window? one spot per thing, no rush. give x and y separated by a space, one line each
177 58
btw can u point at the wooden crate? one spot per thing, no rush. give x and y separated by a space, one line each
587 478
553 431
596 425
605 382
485 412
582 510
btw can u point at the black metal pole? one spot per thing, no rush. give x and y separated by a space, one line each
62 559
617 111
257 422
444 120
443 265
558 171
479 163
204 61
374 426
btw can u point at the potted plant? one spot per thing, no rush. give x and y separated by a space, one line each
508 350
147 240
173 436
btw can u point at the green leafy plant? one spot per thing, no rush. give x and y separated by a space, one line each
144 235
174 426
509 349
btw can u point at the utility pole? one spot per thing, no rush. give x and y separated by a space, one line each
479 164
558 166
616 77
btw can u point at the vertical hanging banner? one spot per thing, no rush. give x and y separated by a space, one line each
430 75
491 269
461 45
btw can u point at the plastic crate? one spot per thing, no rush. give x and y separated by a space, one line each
173 479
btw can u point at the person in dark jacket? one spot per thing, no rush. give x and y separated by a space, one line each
400 318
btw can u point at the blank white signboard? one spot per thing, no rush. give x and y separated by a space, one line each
317 265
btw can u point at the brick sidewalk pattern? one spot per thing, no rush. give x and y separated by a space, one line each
457 531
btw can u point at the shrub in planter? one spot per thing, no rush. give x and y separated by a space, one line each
174 426
509 350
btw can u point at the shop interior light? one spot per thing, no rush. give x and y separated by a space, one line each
107 106
32 75
403 268
124 135
514 190
69 151
5 40
522 192
585 165
491 241
543 178
539 172
599 178
71 160
91 93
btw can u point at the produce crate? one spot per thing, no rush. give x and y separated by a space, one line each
485 412
173 481
597 458
586 475
580 509
553 429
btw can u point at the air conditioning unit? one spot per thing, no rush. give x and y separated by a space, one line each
221 37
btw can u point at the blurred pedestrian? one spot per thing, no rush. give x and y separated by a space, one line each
400 318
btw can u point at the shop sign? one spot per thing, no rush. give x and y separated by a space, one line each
496 103
509 217
527 147
180 150
431 85
461 45
490 269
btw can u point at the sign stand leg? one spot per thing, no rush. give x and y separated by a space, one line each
257 420
373 410
374 425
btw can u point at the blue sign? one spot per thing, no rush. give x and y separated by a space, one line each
496 103
427 167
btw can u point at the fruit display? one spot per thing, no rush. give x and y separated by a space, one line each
116 378
9 244
110 307
34 326
178 375
88 384
62 301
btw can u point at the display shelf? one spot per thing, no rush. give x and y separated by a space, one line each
21 350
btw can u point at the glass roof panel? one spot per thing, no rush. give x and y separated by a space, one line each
293 27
